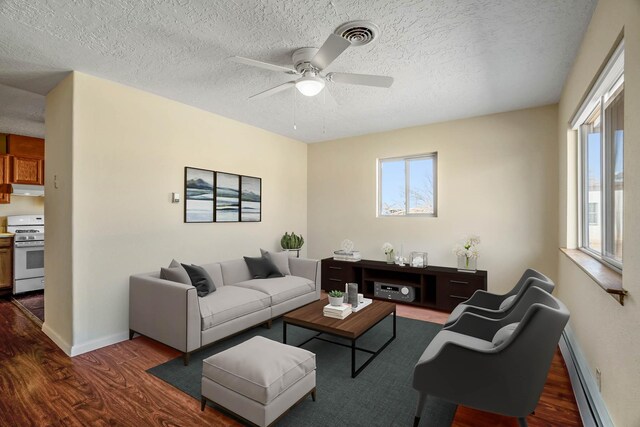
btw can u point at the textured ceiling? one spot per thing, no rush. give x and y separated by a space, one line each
449 58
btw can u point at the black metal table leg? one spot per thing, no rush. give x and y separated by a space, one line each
394 323
353 358
284 332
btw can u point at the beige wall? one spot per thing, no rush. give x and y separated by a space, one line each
496 178
58 255
607 332
129 153
20 205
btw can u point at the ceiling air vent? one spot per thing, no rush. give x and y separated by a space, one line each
359 33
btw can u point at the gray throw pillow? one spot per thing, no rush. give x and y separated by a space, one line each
262 268
507 302
200 279
280 259
504 333
177 274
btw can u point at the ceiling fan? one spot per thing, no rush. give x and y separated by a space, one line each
309 63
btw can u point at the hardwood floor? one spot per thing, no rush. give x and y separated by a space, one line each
41 386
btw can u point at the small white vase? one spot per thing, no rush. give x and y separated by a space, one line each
391 259
336 301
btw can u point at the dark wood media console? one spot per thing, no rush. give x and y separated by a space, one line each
441 288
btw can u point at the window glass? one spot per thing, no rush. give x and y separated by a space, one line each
393 187
614 114
407 186
594 182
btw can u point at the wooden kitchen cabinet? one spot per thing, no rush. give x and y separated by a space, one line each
5 197
27 170
25 146
6 264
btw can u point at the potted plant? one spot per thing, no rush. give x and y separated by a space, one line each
336 298
291 241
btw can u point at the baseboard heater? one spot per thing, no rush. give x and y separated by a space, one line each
593 410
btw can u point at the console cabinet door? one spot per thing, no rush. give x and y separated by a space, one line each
27 170
335 274
456 288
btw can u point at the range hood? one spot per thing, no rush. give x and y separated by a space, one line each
27 190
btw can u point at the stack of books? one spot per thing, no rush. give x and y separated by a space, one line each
347 256
337 312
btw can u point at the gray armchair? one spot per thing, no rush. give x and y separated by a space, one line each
495 302
495 365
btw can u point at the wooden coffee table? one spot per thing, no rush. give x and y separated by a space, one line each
353 327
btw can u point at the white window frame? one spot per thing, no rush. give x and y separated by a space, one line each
609 85
407 194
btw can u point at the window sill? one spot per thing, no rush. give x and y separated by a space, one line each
606 277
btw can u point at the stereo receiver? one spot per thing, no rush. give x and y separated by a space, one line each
394 292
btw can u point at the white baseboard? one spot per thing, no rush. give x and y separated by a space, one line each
98 343
593 410
53 335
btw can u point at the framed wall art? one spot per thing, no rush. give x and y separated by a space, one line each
199 195
227 197
250 199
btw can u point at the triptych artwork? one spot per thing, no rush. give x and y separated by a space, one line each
212 196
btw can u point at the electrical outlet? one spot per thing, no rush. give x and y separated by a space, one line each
599 379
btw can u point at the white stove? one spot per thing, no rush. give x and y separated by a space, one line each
28 252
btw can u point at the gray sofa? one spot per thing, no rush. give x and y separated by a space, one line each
172 313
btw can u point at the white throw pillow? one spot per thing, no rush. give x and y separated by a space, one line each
280 259
504 333
507 302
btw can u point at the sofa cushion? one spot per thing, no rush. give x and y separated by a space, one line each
228 303
215 272
280 259
507 302
234 271
262 267
445 337
280 289
503 334
200 279
259 368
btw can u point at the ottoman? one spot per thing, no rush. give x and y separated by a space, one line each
259 380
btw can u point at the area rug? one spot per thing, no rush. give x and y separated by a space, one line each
380 396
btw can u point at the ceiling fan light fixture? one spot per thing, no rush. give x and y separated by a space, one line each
310 85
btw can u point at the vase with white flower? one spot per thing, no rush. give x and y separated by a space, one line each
387 248
467 254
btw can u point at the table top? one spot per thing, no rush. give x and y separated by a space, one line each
310 316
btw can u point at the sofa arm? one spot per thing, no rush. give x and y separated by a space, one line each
307 268
165 311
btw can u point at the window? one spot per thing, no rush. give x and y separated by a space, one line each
407 186
600 122
594 207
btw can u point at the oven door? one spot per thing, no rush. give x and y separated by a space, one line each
28 260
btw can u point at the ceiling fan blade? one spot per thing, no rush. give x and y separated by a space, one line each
273 90
329 99
330 50
260 64
361 79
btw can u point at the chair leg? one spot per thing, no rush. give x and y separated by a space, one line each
185 357
522 422
203 403
422 399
